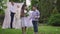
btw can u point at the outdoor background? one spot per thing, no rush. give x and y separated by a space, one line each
49 22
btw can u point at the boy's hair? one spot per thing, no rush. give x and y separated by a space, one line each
35 6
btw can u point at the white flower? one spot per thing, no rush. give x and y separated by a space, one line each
25 11
2 1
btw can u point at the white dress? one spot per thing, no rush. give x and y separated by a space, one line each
7 19
30 20
6 22
26 22
17 24
17 21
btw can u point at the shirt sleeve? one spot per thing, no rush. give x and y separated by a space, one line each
10 9
38 14
31 16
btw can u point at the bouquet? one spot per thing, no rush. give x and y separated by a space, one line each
26 14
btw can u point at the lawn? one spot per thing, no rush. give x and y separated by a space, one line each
42 30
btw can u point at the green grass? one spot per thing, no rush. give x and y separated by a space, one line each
42 30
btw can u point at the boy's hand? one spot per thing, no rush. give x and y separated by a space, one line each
36 17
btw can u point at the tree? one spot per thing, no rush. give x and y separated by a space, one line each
58 5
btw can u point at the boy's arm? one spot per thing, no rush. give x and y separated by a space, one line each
31 16
37 15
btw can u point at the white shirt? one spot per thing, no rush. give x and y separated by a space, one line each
13 8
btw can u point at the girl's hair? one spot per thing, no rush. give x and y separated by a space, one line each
23 7
22 10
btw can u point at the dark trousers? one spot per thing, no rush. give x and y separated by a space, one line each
35 26
12 18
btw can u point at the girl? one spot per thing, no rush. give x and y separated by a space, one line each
23 19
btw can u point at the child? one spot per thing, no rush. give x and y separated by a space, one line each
35 17
23 18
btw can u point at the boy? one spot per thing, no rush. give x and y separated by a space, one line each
35 17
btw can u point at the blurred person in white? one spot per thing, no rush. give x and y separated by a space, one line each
12 13
9 15
30 20
24 18
17 24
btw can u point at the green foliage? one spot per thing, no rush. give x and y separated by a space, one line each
34 2
55 11
2 6
18 1
26 14
1 12
54 20
15 0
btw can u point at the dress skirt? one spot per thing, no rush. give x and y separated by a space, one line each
24 22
